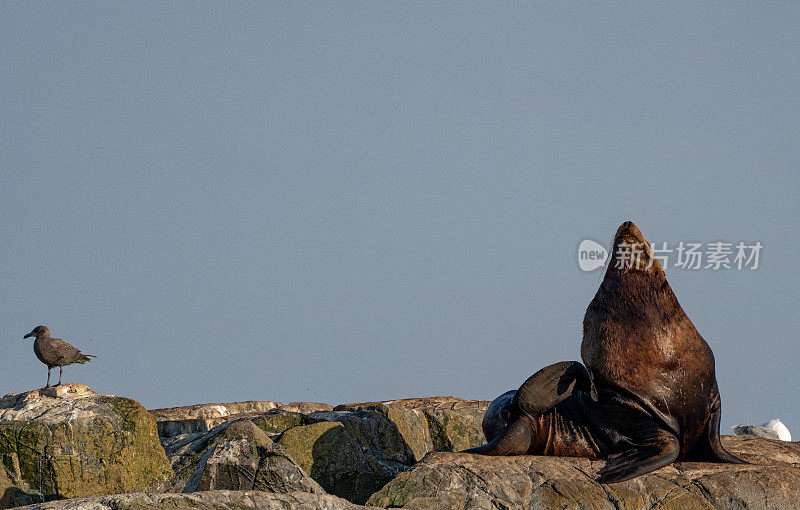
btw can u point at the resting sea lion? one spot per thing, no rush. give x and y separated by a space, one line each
647 357
649 396
552 413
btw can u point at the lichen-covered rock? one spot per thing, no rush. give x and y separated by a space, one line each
431 423
211 500
238 455
357 448
351 451
245 458
453 480
277 421
330 454
68 441
200 418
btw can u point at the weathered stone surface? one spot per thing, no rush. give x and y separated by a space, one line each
236 455
68 441
306 407
212 500
453 480
277 421
213 410
245 458
332 453
351 451
200 418
357 448
431 423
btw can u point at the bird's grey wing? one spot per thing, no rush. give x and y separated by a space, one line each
67 351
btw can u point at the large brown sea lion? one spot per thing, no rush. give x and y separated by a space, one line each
649 396
646 356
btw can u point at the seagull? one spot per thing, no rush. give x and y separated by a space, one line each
55 352
773 429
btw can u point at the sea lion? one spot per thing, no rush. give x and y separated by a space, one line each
647 396
552 413
647 358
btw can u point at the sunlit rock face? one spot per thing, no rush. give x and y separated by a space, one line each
68 441
452 480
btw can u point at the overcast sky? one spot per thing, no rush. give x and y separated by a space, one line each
366 201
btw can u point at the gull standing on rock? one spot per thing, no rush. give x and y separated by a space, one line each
55 352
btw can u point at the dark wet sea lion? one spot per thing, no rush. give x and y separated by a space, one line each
552 413
497 415
648 359
649 397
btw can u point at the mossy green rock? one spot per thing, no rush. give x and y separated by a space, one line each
351 451
357 448
442 424
69 441
243 457
338 456
278 421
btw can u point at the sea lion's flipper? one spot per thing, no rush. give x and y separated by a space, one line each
551 385
514 440
709 446
654 448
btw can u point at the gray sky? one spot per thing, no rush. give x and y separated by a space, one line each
360 201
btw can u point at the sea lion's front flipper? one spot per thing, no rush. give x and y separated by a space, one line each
653 448
709 446
514 440
551 385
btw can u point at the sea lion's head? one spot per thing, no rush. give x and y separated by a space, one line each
635 288
497 415
38 331
631 253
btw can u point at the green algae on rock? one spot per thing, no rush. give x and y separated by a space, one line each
241 456
351 451
68 441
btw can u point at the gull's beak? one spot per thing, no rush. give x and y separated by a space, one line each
28 335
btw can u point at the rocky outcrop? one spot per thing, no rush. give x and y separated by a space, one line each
68 441
243 457
355 449
212 500
453 480
201 418
236 455
351 451
431 423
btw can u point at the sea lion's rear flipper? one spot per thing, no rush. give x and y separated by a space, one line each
709 446
653 448
514 440
553 384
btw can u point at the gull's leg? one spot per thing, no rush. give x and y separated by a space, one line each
48 377
60 371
